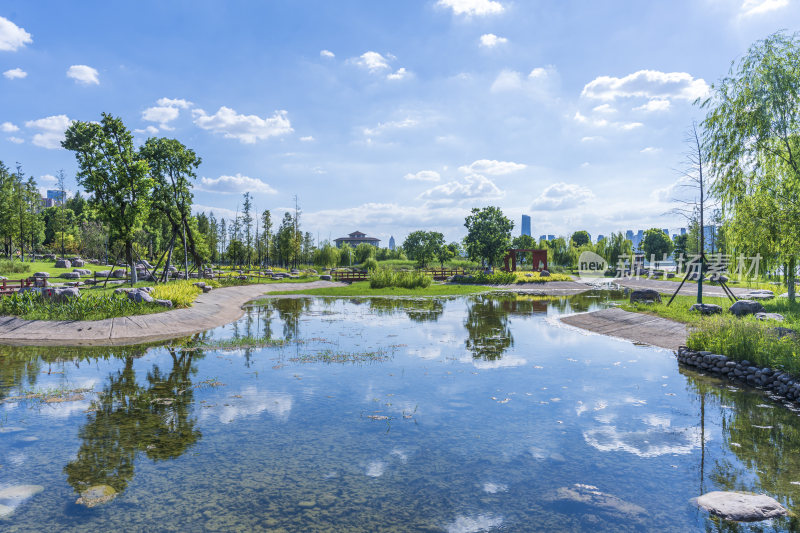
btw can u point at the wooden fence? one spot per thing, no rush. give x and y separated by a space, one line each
359 275
440 274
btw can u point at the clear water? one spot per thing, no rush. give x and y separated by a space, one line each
460 415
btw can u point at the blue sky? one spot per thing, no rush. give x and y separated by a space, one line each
388 117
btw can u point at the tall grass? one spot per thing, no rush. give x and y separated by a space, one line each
747 339
31 306
482 278
181 292
9 266
383 278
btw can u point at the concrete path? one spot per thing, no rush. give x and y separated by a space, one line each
688 289
210 310
636 327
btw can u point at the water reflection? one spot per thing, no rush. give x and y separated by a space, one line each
129 418
488 333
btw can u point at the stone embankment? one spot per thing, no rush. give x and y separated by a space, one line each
775 381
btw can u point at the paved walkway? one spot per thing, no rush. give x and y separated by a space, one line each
636 327
210 310
688 289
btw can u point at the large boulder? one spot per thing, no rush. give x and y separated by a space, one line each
325 277
706 309
760 294
740 506
645 296
118 273
63 263
103 273
165 303
746 307
70 275
41 275
769 316
82 271
78 262
61 295
140 296
544 274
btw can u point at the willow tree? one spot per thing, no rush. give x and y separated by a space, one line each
752 145
116 178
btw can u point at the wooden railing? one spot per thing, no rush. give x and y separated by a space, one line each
359 275
10 286
439 274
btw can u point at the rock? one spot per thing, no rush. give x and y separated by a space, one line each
769 316
706 309
165 303
718 278
207 288
544 274
759 295
139 296
103 273
590 496
70 275
96 495
740 506
78 262
746 307
325 277
20 492
82 271
783 332
61 295
118 273
63 263
645 296
670 275
200 284
41 275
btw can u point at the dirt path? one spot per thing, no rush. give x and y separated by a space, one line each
210 310
636 327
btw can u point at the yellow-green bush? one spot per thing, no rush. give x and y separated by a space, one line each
181 292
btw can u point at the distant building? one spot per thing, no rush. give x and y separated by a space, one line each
683 231
666 232
356 238
526 226
710 238
58 197
629 235
391 243
600 237
46 202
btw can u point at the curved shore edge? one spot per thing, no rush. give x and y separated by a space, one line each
635 327
210 310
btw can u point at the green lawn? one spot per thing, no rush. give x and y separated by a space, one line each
42 266
361 288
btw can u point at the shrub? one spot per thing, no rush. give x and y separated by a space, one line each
370 264
9 266
497 278
181 292
383 278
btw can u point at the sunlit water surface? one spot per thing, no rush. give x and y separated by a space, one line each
460 415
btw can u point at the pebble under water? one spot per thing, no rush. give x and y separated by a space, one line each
461 414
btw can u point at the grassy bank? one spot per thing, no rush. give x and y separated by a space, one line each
362 288
744 338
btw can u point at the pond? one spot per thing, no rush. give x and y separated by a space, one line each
464 414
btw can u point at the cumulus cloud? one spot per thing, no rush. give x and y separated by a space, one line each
326 53
490 40
423 175
160 114
507 80
759 7
391 125
650 150
470 187
399 74
602 123
651 84
246 128
492 167
12 37
8 127
150 130
537 82
83 74
174 102
307 138
15 74
16 140
235 185
472 7
51 130
562 196
657 104
47 178
604 108
649 443
372 61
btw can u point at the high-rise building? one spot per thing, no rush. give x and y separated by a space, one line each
600 237
666 232
526 225
542 237
57 196
683 231
629 235
551 237
391 243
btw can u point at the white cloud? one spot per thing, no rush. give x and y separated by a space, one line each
8 127
650 150
562 196
490 40
647 84
307 138
326 53
759 7
246 128
150 130
591 139
160 114
372 61
83 74
399 74
16 140
627 126
472 186
391 125
12 37
472 7
51 130
657 104
604 108
235 185
174 102
47 178
602 123
15 74
492 167
540 72
219 212
507 80
423 175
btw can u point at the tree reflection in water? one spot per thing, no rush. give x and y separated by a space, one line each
488 333
417 310
128 418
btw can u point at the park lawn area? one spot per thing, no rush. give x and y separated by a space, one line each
40 266
361 288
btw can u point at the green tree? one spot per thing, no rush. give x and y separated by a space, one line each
488 234
364 251
113 173
266 233
247 222
680 244
656 243
752 142
581 238
423 246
